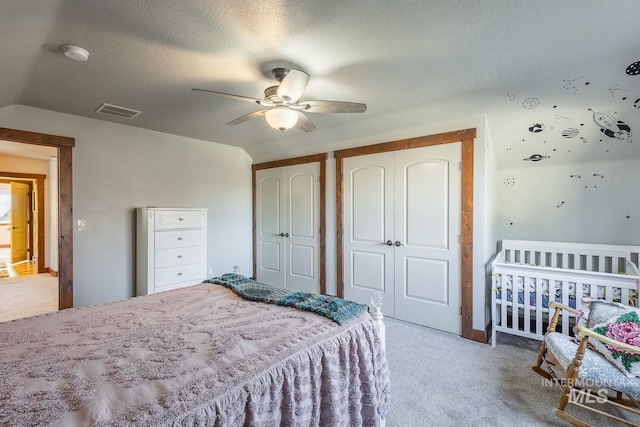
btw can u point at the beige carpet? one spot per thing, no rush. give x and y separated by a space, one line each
28 296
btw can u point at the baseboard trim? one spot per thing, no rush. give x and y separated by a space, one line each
52 272
480 335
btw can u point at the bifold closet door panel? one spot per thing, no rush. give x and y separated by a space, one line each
427 232
369 229
302 223
270 226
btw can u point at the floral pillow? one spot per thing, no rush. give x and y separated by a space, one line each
625 328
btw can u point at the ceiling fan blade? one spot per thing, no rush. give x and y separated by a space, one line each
304 123
292 85
248 117
332 107
229 95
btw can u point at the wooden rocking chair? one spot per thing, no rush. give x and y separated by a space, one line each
586 378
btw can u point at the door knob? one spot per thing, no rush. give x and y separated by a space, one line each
286 234
281 234
388 243
398 243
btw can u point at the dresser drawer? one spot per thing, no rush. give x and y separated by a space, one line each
164 220
178 239
182 273
178 256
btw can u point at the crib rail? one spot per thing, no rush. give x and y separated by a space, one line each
527 276
576 256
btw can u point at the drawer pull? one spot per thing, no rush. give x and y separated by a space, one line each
179 256
179 238
179 274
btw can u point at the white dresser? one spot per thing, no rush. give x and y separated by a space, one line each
171 248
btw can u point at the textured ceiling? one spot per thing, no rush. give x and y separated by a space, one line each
414 63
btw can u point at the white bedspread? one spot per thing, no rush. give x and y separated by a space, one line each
194 356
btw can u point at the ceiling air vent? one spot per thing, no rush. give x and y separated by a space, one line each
114 110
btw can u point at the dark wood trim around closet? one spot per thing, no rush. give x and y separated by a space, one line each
65 203
466 137
322 159
39 178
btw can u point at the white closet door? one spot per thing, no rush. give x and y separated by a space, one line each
287 227
302 223
368 225
427 228
270 265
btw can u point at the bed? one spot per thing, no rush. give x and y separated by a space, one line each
201 355
529 275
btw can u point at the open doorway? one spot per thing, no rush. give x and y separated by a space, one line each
28 252
63 203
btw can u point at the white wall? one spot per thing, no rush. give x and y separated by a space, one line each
590 203
117 168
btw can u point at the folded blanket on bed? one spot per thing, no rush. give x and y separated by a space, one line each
333 308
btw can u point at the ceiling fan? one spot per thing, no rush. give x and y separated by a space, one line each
284 107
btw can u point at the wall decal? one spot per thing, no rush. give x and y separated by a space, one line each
530 103
536 158
570 132
598 175
611 127
584 140
536 128
634 69
511 96
559 117
570 86
575 176
560 205
637 103
614 89
509 181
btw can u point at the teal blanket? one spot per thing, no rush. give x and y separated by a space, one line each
337 309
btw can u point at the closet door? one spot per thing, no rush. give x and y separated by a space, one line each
369 229
270 265
402 216
287 227
302 224
427 232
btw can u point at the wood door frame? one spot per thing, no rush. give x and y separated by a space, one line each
39 182
65 203
466 137
322 159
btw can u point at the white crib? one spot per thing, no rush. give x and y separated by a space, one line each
541 272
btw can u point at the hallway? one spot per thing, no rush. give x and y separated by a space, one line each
23 292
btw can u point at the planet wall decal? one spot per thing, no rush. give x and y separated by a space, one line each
634 69
536 128
637 103
530 103
570 133
536 158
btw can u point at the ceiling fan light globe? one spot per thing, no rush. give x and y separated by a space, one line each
281 118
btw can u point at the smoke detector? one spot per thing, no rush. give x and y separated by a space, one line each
76 53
